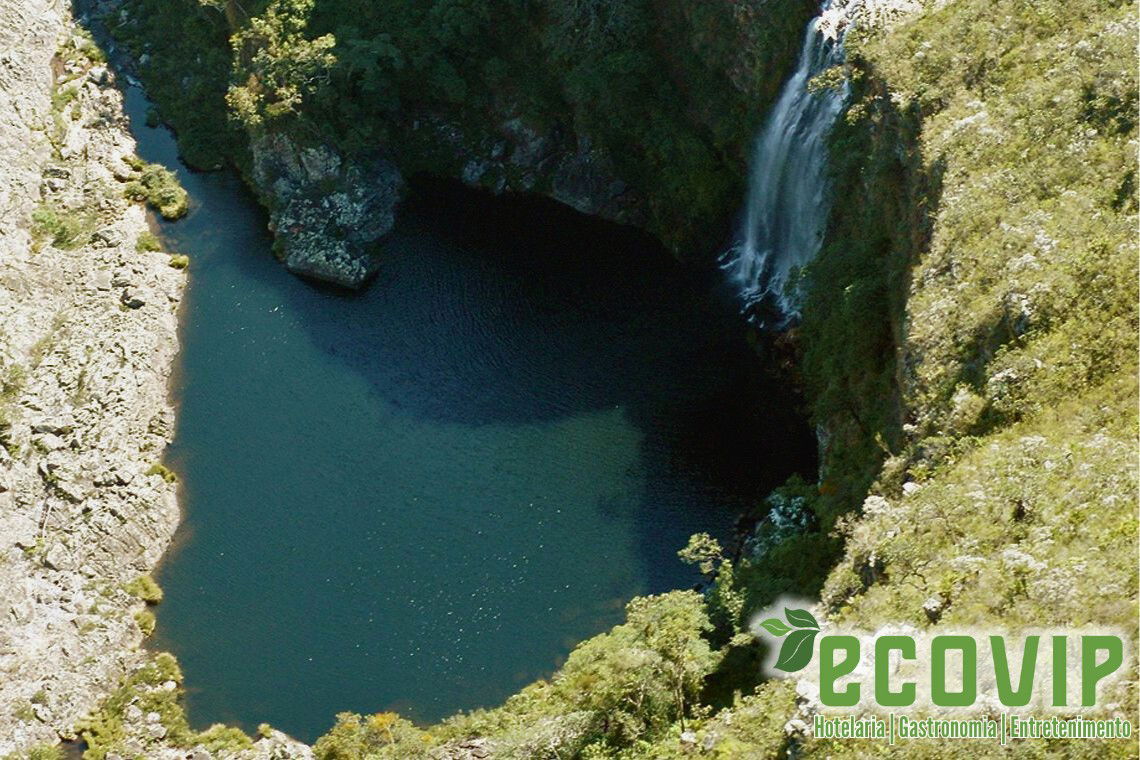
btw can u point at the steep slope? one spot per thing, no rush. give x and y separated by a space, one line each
86 345
968 345
88 338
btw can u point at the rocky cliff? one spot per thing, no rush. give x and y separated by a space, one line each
88 340
88 343
968 344
641 113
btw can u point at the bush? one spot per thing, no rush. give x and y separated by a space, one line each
148 688
146 622
221 739
384 734
158 468
144 587
157 186
179 261
148 241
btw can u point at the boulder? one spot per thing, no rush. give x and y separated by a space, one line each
327 213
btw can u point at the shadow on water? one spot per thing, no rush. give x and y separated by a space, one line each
421 496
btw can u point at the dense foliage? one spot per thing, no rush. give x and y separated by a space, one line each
627 687
672 91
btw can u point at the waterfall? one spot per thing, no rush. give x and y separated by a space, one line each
783 224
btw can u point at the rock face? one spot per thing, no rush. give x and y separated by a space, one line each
84 408
326 212
520 158
88 339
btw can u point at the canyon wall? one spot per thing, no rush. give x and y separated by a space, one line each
88 341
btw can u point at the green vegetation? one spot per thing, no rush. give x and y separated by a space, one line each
670 92
82 53
62 227
167 474
23 710
987 245
147 689
625 688
967 344
12 379
969 332
157 186
187 72
62 97
383 735
38 752
148 241
146 622
64 108
81 48
144 587
179 261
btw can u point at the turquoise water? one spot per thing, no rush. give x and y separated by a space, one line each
422 496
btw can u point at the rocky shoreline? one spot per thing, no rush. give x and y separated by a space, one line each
88 342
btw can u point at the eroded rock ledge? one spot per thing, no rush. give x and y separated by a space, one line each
326 213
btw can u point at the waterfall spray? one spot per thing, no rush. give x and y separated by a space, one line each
788 201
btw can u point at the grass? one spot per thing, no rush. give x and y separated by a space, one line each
987 237
12 380
148 241
105 731
38 752
144 587
63 228
81 48
146 622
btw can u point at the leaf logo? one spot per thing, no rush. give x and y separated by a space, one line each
796 651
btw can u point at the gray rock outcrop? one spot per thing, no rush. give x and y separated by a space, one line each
326 213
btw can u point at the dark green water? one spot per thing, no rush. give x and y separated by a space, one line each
421 497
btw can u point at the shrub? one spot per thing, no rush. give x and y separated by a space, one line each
63 228
355 736
220 739
62 97
179 261
148 241
148 688
146 622
157 186
158 468
144 587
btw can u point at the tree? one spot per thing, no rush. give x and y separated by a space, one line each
383 735
644 674
704 551
275 65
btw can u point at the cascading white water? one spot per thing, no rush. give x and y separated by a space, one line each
788 199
